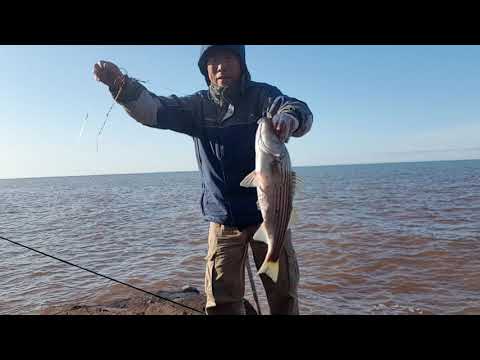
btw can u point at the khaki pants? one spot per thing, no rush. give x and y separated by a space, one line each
225 272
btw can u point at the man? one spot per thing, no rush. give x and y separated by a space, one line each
222 122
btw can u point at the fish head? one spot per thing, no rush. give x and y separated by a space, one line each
267 140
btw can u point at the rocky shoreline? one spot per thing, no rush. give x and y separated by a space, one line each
143 305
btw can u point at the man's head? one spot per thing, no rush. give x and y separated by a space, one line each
223 65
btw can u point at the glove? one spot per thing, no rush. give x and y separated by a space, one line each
284 124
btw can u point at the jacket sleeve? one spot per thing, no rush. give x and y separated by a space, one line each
174 113
274 102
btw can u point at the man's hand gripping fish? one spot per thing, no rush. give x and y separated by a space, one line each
275 182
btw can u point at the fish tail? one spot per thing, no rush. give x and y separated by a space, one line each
270 268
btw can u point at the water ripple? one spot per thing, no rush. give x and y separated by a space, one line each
371 239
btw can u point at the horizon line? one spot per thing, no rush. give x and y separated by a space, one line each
182 171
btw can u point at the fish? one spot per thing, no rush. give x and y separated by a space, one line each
83 126
276 183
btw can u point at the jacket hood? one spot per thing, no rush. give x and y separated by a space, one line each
237 49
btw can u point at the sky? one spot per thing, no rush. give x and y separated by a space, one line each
371 104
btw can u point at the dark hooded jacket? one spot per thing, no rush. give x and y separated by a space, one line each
222 123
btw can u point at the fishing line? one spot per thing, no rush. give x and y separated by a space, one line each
252 282
104 276
106 117
109 110
83 126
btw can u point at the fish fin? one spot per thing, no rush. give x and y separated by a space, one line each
296 177
293 217
250 180
297 183
270 268
261 234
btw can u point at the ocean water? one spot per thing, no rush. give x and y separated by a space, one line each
371 239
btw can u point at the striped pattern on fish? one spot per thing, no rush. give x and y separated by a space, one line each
275 182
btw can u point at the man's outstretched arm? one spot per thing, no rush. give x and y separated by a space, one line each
173 113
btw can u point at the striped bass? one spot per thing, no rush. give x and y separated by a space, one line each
275 182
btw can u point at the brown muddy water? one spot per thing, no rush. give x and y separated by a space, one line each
371 239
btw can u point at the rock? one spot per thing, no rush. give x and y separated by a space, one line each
143 305
190 289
